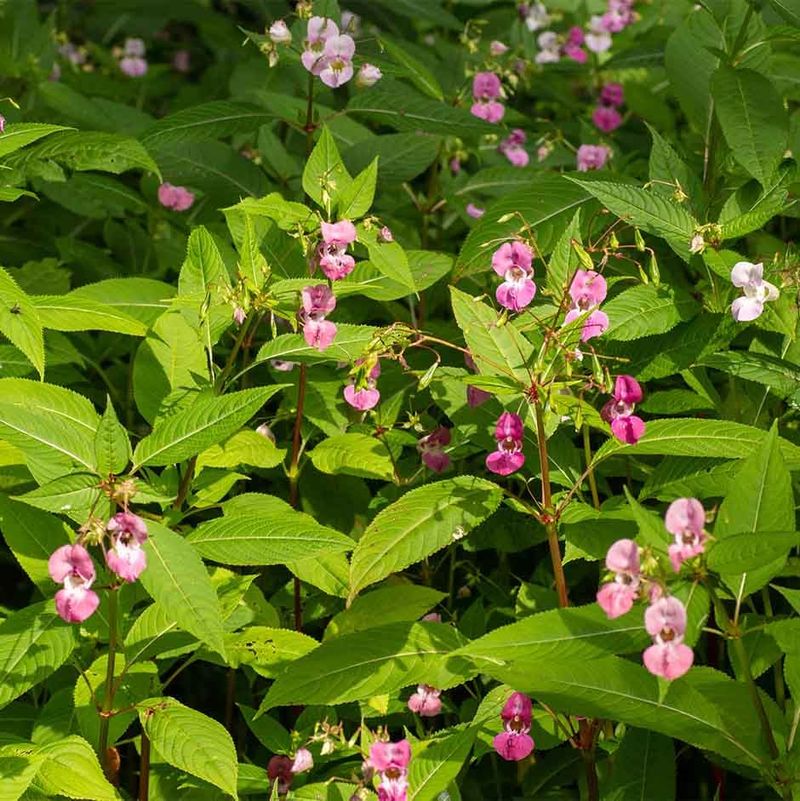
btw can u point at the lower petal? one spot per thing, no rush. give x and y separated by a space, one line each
746 309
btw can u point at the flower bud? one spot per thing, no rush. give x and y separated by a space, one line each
368 75
279 32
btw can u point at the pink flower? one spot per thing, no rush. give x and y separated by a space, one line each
612 94
332 254
133 67
425 701
508 458
592 157
514 743
126 557
508 425
134 47
431 448
685 520
606 119
497 48
340 234
489 110
455 165
512 261
318 301
177 198
368 396
2 123
598 40
319 333
665 621
72 566
588 291
279 32
757 291
337 61
319 30
535 15
181 61
474 211
512 148
486 86
625 425
279 768
303 761
239 315
368 75
385 234
391 758
393 789
616 597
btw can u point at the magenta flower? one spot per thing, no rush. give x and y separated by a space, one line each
612 94
475 211
514 743
508 458
279 33
318 301
512 261
573 47
336 64
625 425
431 448
588 291
126 557
368 75
616 597
72 566
592 157
340 234
279 769
757 291
512 147
319 30
606 119
508 425
177 198
366 397
685 520
665 621
390 761
425 701
303 761
486 89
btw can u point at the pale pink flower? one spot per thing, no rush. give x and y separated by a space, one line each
757 291
390 757
265 431
606 119
425 701
512 261
2 123
588 291
432 617
514 742
332 254
431 448
319 30
592 157
176 198
279 32
497 48
368 75
616 597
535 16
239 315
133 66
625 425
665 621
685 520
303 761
486 91
337 61
72 566
126 557
549 48
385 234
318 301
368 396
512 147
475 211
340 233
282 366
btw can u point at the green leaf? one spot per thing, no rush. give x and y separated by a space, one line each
19 134
701 438
438 763
267 650
499 350
141 298
356 199
350 343
253 266
19 764
325 178
669 173
647 210
426 266
377 661
191 741
19 321
286 214
644 768
564 260
749 551
420 523
214 120
207 421
72 312
788 9
275 538
753 120
74 495
419 74
176 578
647 309
70 768
244 447
781 376
34 643
387 257
353 454
401 156
112 445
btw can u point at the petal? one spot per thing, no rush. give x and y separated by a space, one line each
623 557
60 563
513 746
595 325
503 463
628 429
362 399
627 389
685 514
745 272
75 606
667 612
615 599
746 309
772 291
669 661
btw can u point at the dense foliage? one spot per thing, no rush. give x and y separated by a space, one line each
399 401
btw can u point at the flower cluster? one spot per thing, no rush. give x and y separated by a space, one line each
328 53
431 448
176 198
512 147
486 92
132 62
514 742
390 762
625 425
750 278
317 302
362 392
685 520
512 261
426 701
332 256
72 566
592 157
606 116
508 458
587 291
282 769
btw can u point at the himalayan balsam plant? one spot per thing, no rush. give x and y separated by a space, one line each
399 401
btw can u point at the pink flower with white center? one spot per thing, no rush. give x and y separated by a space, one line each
665 621
176 198
319 30
279 32
393 789
133 66
486 89
390 758
385 234
612 94
757 291
514 743
303 761
475 211
332 254
685 520
616 597
126 557
368 75
279 769
431 448
606 119
549 48
318 301
512 261
598 40
425 701
497 48
588 291
592 157
72 566
536 17
319 333
337 61
625 425
282 366
512 147
508 458
368 396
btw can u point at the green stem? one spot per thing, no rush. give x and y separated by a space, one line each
587 450
144 769
108 699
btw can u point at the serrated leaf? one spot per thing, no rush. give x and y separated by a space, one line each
781 376
70 768
207 421
74 495
19 321
438 763
112 445
353 454
356 199
325 178
647 309
252 265
266 650
176 578
191 741
350 342
72 312
402 156
749 551
419 74
244 447
287 215
420 523
644 768
17 135
387 257
564 260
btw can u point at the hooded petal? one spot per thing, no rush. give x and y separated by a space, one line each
77 604
667 613
504 463
746 309
623 557
516 295
629 429
670 660
685 515
745 273
616 599
361 399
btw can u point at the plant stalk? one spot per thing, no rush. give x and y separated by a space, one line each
144 769
587 450
108 698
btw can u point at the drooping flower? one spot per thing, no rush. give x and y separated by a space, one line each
425 701
303 761
616 597
176 198
475 211
133 66
2 124
368 75
549 48
279 32
279 769
337 61
390 758
508 458
512 147
514 742
573 47
332 254
72 566
431 448
588 290
625 425
368 396
598 39
606 119
665 621
126 556
612 94
239 315
319 30
318 301
757 291
486 91
385 234
592 157
685 520
265 431
512 261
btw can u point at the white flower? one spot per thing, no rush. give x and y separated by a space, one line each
757 291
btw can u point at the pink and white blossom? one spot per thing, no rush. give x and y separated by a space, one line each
587 291
317 302
549 48
72 566
368 75
486 92
665 621
279 32
750 278
685 520
426 701
625 425
514 742
512 147
513 262
475 211
126 557
431 449
592 157
616 597
367 396
176 198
